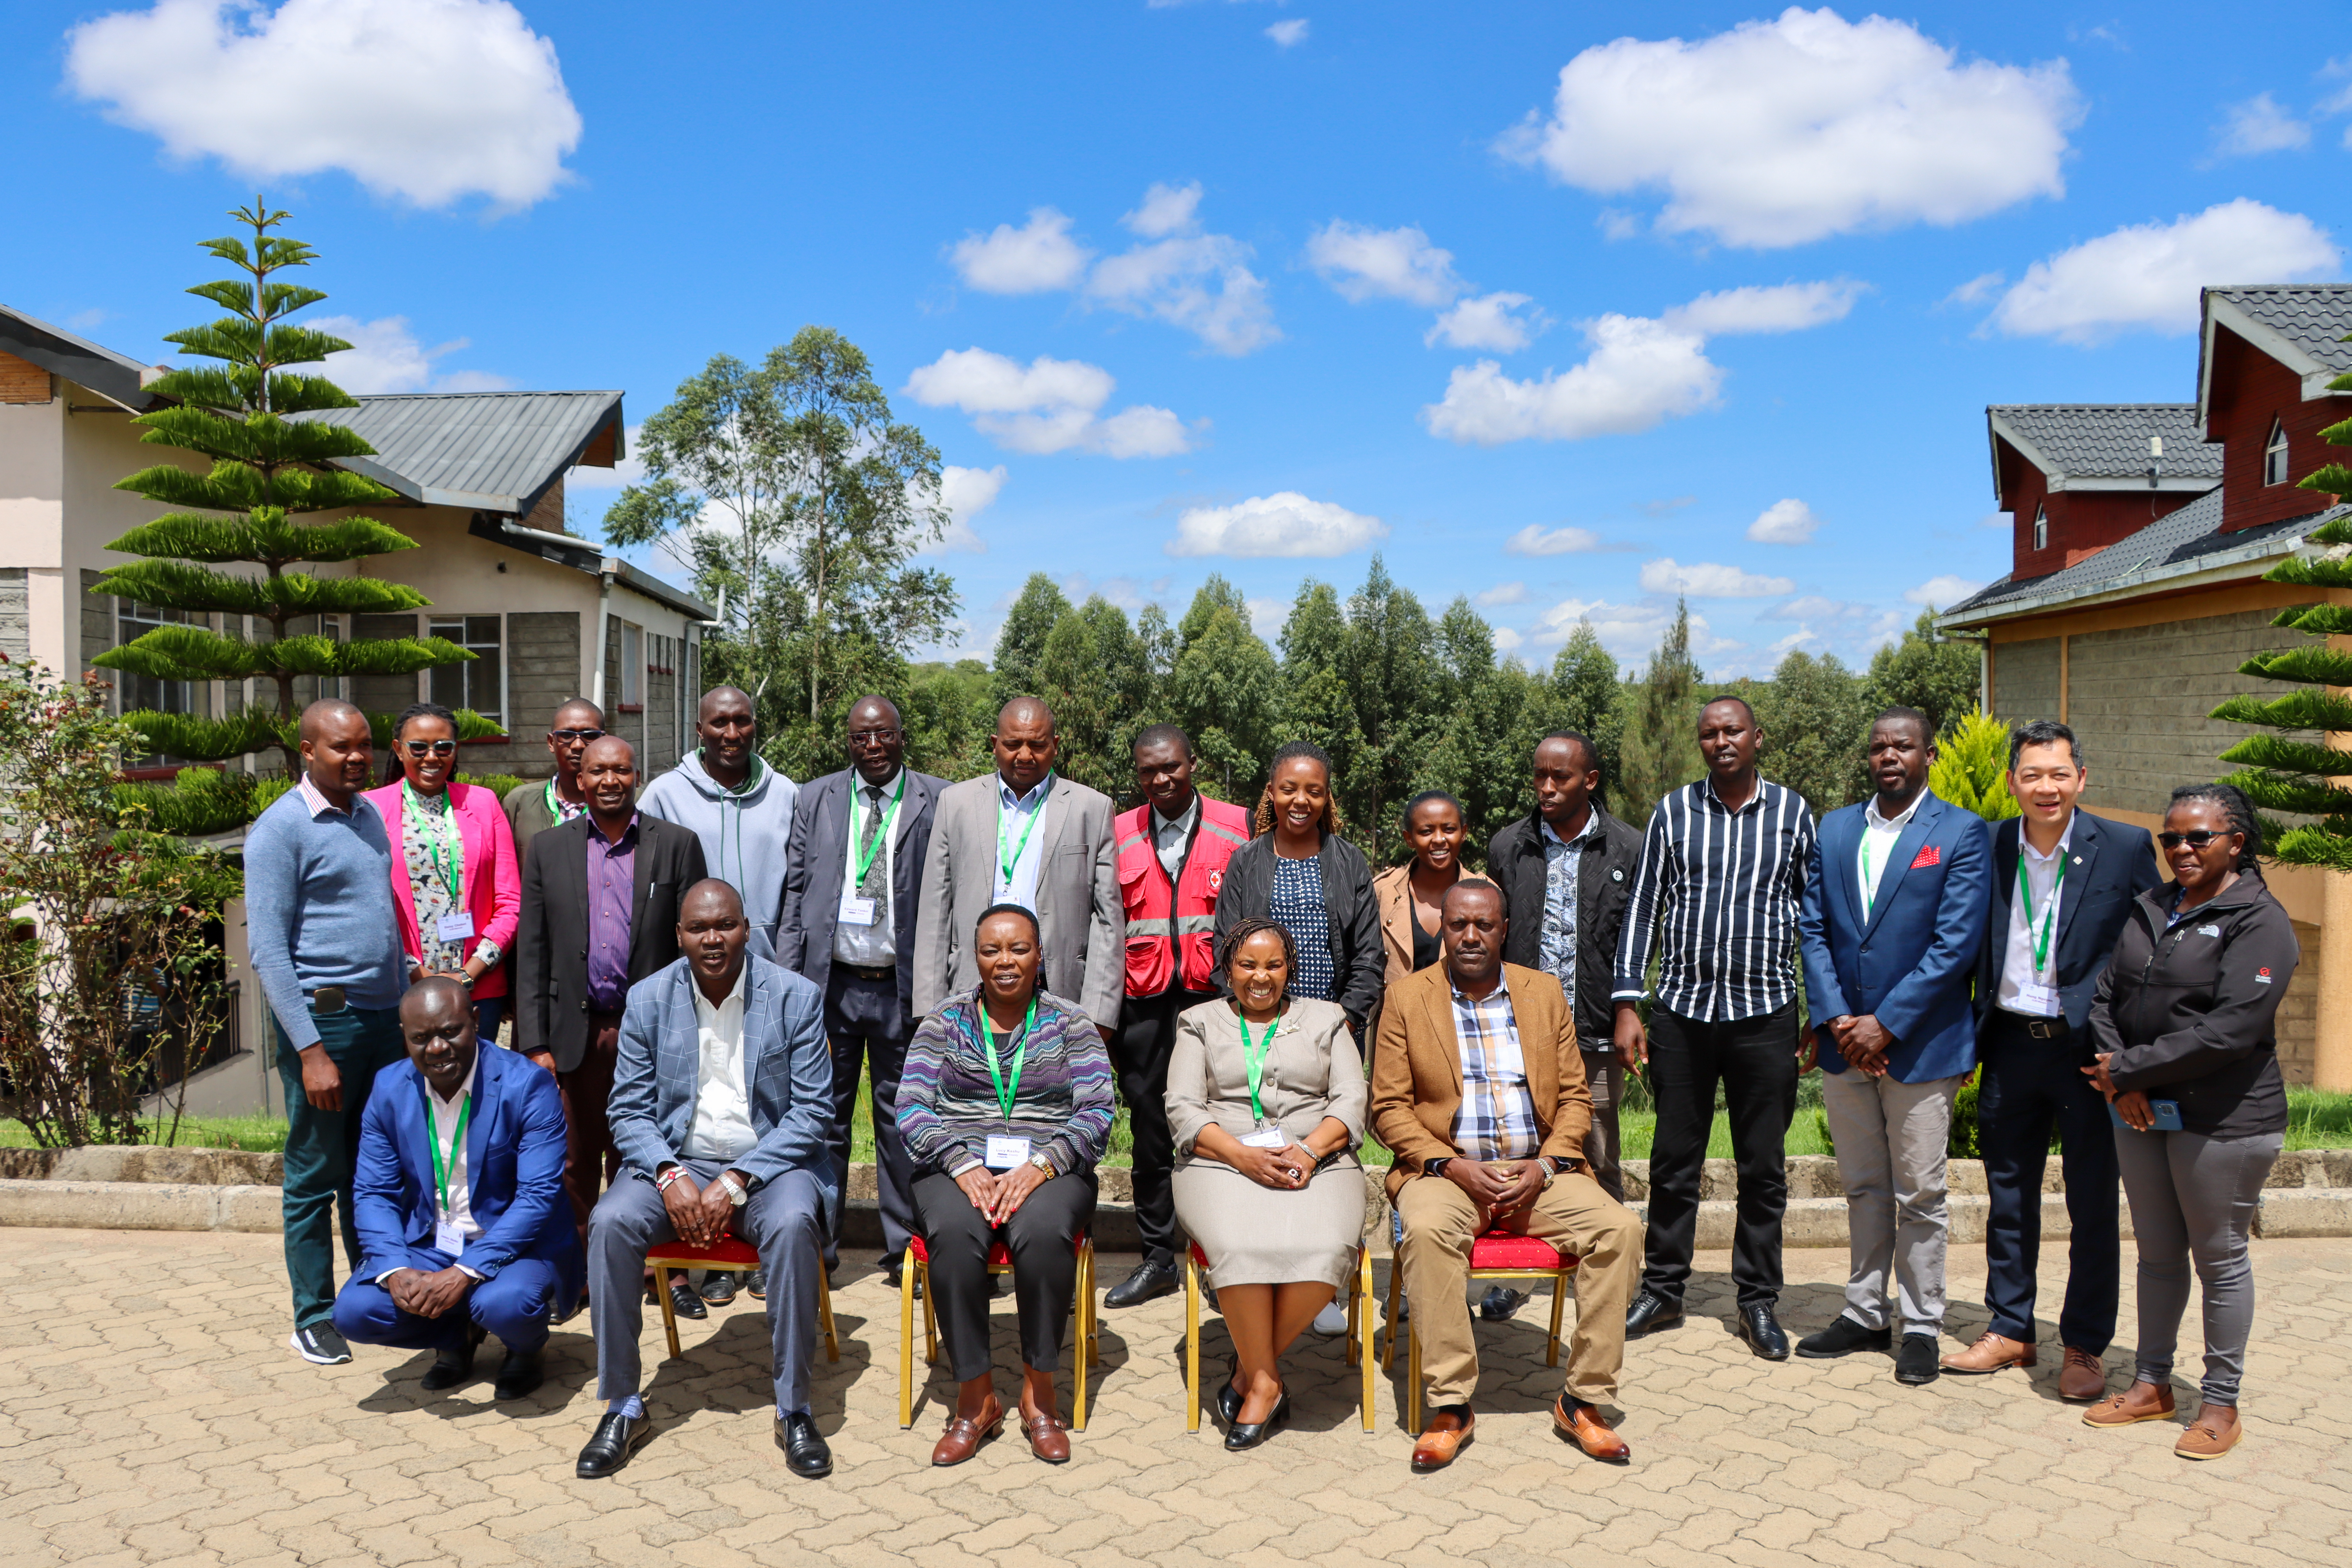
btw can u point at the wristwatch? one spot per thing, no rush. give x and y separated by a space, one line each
1044 1165
737 1192
1436 1167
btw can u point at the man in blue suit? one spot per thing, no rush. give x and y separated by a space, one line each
459 1197
2063 884
721 1103
1892 916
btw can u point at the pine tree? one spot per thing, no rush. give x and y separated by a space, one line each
269 465
1389 678
1315 705
1814 727
1662 735
1021 642
1971 767
1587 696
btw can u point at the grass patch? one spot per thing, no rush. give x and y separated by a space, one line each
254 1134
2316 1119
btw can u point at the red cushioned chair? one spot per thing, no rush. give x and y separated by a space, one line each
1000 1262
725 1253
1497 1255
1359 1331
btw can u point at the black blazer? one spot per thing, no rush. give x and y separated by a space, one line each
1604 885
2109 865
550 961
1359 962
814 866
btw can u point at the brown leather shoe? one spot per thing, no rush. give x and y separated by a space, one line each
1049 1438
963 1437
1448 1433
2083 1378
2208 1442
1581 1423
2132 1405
1991 1353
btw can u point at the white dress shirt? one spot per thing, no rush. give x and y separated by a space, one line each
1016 816
875 944
721 1128
1878 836
1170 833
441 1126
2021 989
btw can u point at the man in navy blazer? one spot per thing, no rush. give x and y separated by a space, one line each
1890 924
458 1201
2063 884
720 1101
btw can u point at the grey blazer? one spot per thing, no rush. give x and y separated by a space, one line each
816 863
787 1065
1084 921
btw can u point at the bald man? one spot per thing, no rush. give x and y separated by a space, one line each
737 804
1024 835
325 943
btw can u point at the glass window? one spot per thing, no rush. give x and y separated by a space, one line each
478 683
2041 528
2274 456
632 665
145 692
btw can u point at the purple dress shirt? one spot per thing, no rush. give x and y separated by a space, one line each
612 888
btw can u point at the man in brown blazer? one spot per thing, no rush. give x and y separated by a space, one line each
1478 1088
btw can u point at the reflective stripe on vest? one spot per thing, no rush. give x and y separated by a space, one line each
1171 929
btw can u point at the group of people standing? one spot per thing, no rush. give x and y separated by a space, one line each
697 976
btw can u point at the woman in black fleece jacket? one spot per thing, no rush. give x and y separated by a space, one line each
2187 1057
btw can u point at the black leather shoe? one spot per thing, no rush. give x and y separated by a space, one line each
1651 1311
519 1374
806 1454
684 1301
453 1366
1762 1331
1249 1434
1150 1281
718 1287
1501 1304
1916 1362
617 1436
1229 1398
755 1284
1844 1337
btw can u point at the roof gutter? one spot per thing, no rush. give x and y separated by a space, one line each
565 550
2219 567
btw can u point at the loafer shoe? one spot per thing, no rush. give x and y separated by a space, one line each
1992 1352
1844 1337
1582 1424
2123 1410
1049 1439
1649 1311
685 1301
2084 1377
806 1454
2200 1442
718 1287
1501 1303
755 1284
320 1345
617 1436
1150 1281
519 1376
965 1433
1449 1432
1915 1362
1762 1331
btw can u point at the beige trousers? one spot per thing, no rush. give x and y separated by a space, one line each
1574 1215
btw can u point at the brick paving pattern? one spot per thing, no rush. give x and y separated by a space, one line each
150 1415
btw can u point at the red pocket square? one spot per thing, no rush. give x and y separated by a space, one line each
1930 855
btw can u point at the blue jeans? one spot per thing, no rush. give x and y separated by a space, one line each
321 1146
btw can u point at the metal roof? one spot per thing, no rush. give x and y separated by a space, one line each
2104 445
2301 325
118 378
486 451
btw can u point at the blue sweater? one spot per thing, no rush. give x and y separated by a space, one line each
319 909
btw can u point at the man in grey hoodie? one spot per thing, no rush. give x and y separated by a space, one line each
737 804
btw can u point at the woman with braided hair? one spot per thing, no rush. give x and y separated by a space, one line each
2187 1057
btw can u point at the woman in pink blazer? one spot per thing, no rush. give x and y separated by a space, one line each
454 876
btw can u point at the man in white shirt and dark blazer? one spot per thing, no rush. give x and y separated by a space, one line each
1024 835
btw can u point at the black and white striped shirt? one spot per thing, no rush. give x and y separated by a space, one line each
1716 897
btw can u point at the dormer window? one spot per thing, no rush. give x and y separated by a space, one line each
2040 527
2274 456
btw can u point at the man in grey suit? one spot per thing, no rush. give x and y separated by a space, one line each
1024 835
719 1105
851 873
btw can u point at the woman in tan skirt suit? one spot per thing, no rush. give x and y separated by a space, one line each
1266 1180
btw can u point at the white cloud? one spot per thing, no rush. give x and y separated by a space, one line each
385 356
1184 277
1047 406
1489 322
1533 540
1781 308
2259 125
1976 289
1943 592
1507 638
1640 371
1788 522
428 100
1037 256
2146 277
1266 616
1288 35
1166 209
966 493
1501 593
1817 608
1793 641
1782 131
1708 580
1283 524
1382 264
1629 631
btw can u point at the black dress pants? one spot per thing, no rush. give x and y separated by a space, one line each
2029 1085
1756 1061
1042 1235
1139 1053
869 1026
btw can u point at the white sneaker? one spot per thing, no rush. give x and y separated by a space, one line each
1331 1321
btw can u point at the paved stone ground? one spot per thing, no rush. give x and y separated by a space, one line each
150 1415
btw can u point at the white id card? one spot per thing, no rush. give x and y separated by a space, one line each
1268 1137
1003 1153
856 911
2038 996
458 927
448 1237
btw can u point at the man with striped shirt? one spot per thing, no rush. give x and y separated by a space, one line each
1716 900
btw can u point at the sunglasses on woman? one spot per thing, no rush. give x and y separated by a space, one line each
431 748
2196 840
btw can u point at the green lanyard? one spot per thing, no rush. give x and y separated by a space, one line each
1006 1091
1253 1062
443 1165
2040 945
1009 861
864 859
558 808
443 843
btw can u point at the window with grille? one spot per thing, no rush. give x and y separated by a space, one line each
2274 456
478 683
2041 528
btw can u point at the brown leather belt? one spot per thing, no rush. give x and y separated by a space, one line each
871 971
2036 1028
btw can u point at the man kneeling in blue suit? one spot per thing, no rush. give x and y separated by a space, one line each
459 1194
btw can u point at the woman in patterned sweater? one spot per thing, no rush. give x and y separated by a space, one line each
1005 1105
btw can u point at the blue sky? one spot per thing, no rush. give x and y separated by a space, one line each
1722 292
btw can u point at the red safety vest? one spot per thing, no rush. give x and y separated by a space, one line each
1164 921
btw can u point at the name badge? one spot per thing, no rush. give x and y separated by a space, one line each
1270 1136
458 927
2043 998
448 1237
1003 1153
856 912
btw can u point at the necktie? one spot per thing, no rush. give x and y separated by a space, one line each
876 883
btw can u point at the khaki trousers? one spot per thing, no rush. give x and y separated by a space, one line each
1573 1214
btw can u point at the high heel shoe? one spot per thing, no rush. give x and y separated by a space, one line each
1244 1435
1229 1398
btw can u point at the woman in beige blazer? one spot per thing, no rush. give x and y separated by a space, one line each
1266 1180
1409 897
